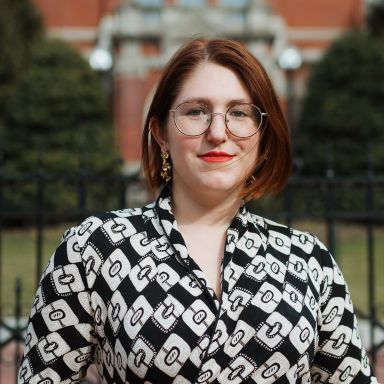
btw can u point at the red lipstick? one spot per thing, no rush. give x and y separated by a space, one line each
216 157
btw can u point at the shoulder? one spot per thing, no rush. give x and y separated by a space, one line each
301 254
115 225
110 235
288 240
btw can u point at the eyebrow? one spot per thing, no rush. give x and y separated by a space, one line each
208 102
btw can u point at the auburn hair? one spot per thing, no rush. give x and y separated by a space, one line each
273 166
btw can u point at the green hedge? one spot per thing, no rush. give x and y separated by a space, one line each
342 118
59 113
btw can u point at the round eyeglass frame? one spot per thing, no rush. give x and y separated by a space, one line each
262 115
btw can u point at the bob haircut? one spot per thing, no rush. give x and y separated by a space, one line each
273 166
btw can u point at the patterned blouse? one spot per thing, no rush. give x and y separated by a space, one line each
122 292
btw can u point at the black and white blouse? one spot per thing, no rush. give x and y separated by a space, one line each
122 292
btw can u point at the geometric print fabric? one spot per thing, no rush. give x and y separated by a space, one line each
122 292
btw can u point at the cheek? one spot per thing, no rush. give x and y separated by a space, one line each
178 149
166 131
251 149
182 146
250 156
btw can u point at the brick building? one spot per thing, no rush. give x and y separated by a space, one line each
141 35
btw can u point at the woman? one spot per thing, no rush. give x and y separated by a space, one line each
193 288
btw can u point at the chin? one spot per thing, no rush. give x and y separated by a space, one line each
220 185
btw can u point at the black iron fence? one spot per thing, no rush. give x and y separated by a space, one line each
328 201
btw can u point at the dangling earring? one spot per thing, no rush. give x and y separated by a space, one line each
251 180
166 167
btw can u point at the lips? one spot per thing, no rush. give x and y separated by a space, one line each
216 157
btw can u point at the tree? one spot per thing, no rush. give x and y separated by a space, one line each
375 18
343 117
20 28
59 111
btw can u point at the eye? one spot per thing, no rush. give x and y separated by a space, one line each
239 111
195 111
192 111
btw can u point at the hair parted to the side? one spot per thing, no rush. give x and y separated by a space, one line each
273 166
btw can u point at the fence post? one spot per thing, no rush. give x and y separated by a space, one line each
18 328
329 203
1 252
39 214
122 203
81 204
288 204
370 254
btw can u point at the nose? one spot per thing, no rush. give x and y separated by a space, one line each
217 131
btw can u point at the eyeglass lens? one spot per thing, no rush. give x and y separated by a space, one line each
242 120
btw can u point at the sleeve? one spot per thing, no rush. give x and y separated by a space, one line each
340 355
59 342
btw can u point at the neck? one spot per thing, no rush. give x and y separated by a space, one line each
209 210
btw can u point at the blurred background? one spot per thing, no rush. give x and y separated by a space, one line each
76 77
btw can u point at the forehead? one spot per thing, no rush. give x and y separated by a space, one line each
214 83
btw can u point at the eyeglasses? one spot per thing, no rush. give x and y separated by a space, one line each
242 120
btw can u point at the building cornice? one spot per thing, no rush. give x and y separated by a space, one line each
73 34
313 33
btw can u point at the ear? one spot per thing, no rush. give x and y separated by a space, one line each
158 134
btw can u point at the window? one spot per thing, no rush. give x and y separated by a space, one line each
150 3
192 3
234 19
234 3
151 18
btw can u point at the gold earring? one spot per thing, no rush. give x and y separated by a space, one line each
166 167
251 180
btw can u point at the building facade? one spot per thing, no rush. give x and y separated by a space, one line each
142 35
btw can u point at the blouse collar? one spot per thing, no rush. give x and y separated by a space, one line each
239 225
246 238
